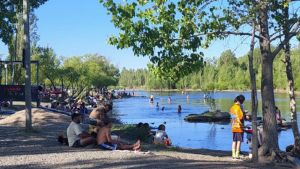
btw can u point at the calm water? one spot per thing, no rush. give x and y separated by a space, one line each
194 135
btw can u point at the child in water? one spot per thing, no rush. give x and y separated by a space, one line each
157 104
160 135
179 109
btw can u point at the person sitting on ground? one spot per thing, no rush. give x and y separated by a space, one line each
278 116
77 137
160 135
53 104
140 124
179 109
104 140
60 106
99 114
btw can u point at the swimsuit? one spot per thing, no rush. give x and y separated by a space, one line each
93 121
108 146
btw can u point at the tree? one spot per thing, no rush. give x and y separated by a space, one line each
173 28
8 16
290 80
49 65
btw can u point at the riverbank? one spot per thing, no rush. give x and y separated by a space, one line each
199 90
41 150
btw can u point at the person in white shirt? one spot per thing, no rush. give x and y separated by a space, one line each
161 136
77 137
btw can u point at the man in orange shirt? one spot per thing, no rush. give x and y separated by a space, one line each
236 117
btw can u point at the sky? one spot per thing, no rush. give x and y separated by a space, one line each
78 27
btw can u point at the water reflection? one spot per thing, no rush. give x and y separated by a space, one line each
200 135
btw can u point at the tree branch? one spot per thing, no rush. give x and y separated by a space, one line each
286 40
221 32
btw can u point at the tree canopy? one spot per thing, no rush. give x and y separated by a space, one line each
9 10
167 31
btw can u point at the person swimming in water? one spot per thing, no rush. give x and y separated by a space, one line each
179 109
157 104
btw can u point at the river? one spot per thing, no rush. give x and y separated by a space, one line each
194 135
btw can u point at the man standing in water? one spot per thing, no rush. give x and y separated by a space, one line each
237 117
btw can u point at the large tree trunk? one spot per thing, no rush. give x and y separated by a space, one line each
270 136
290 80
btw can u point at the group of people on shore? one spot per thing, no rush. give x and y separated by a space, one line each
101 134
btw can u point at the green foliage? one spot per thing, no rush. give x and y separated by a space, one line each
234 75
152 30
9 10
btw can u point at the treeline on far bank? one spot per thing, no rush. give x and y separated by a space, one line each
226 72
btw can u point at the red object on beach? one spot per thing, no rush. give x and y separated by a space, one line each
166 142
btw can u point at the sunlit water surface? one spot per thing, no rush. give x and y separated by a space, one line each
194 135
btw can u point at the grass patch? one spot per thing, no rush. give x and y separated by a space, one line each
159 147
34 129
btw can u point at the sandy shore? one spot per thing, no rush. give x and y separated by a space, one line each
41 150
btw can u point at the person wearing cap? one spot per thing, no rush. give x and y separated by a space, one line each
77 137
105 142
98 114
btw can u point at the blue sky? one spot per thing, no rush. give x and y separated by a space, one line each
78 27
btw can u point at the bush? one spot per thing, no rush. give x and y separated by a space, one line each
209 86
223 86
195 86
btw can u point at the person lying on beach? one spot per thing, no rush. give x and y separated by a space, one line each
105 142
160 136
77 137
98 114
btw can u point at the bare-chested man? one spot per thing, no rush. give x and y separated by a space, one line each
104 140
99 114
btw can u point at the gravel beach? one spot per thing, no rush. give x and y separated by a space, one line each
41 150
